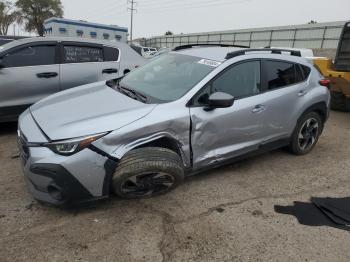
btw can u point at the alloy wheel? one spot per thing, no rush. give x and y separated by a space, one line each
147 184
308 134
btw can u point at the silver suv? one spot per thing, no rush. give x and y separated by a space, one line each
33 68
187 111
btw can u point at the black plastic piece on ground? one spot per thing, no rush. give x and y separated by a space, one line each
330 212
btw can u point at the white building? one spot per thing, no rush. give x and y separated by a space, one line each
76 28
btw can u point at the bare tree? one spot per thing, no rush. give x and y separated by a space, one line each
35 12
8 15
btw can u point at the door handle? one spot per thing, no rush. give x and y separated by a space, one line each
258 109
110 71
302 93
47 75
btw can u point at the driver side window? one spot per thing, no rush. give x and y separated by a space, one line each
241 80
36 55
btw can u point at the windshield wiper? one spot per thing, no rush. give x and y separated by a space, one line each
132 93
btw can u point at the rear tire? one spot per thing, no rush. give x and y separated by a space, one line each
340 102
306 133
147 172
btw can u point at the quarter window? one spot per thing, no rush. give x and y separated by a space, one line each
306 71
299 75
241 80
111 54
31 56
82 54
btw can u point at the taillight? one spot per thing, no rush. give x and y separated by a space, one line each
325 82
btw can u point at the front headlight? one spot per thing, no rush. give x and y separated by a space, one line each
72 146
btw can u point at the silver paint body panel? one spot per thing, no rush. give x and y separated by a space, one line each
203 137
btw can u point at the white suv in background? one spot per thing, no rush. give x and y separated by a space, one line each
33 68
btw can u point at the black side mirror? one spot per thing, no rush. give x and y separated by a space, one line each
220 100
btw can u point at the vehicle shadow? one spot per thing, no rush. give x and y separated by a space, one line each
8 128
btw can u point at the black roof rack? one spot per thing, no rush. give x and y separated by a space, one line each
272 50
182 47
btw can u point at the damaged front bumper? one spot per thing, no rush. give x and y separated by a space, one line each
62 180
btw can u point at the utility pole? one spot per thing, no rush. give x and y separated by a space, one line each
132 9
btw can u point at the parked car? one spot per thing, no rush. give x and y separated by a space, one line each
182 113
162 51
33 68
146 52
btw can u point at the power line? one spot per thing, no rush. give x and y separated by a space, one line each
132 9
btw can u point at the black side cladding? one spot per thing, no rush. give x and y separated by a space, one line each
110 167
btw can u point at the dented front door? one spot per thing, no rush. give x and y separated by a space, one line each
225 133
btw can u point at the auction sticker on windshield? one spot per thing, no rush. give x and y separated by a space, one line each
211 63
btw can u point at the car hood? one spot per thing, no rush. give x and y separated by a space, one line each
86 110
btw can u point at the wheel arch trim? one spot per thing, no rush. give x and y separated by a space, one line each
321 108
162 139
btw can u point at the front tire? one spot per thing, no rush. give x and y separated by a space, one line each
306 133
147 172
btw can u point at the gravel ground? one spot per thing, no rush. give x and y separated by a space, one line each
225 215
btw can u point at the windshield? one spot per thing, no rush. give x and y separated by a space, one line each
168 77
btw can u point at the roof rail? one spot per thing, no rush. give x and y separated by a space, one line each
182 47
272 50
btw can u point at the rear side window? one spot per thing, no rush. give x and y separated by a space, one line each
279 74
31 56
111 54
82 54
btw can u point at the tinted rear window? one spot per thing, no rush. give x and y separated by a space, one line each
82 54
279 74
